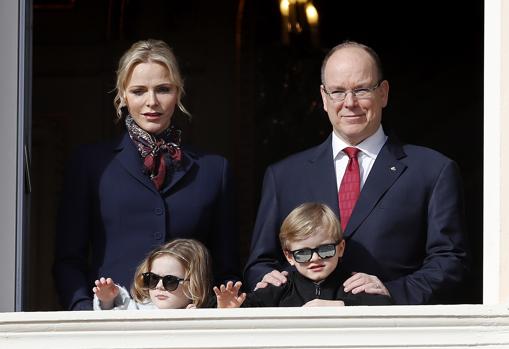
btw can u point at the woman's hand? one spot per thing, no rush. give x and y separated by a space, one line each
106 291
275 277
227 296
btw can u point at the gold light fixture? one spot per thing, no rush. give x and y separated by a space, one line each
298 17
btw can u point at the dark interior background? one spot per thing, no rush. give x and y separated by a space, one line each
254 98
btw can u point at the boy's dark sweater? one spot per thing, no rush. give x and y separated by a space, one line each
299 290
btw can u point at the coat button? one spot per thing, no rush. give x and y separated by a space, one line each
158 235
158 211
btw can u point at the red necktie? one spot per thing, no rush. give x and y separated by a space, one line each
350 186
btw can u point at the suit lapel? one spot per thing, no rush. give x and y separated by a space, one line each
386 170
322 177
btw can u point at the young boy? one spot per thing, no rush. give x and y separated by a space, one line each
312 242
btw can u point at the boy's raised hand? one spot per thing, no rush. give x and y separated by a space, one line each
228 296
106 291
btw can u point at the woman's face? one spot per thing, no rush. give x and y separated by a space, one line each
151 96
163 299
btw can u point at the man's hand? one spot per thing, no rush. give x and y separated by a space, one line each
275 277
227 296
324 303
106 291
361 282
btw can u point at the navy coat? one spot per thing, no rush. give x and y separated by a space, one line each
407 227
112 215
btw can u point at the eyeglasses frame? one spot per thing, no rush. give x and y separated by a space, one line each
353 92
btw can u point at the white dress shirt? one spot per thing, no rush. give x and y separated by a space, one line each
369 149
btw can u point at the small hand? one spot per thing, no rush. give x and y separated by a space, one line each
227 296
106 291
324 303
275 277
361 282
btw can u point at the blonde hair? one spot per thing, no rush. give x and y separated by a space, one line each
146 51
195 259
305 220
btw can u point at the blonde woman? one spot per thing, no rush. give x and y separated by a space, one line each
123 198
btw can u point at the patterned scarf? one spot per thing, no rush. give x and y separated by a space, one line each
161 154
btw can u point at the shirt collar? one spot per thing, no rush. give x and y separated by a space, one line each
371 146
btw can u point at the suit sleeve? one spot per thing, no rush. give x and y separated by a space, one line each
225 240
265 253
71 267
446 262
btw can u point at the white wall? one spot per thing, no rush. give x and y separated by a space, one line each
8 145
417 327
496 153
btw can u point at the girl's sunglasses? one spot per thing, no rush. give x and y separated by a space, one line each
304 255
170 282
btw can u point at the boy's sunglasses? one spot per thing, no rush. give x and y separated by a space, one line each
304 255
170 282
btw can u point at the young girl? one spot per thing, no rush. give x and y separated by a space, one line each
175 275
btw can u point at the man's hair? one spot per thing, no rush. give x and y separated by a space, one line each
305 220
349 44
195 259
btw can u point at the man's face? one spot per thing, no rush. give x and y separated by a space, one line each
317 268
354 119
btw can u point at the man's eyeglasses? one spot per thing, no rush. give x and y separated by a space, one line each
170 282
359 93
304 255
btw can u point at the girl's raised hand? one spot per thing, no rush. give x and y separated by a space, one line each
106 291
228 296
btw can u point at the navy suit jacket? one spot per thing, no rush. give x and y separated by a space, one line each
112 215
407 227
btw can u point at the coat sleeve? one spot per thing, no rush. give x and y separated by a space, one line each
269 296
446 262
265 253
72 240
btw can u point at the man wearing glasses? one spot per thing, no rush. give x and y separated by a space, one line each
400 205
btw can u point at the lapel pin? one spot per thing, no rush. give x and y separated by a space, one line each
393 168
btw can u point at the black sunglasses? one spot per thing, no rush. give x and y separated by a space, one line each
170 282
304 255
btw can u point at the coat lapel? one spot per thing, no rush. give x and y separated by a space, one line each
322 177
130 160
187 162
386 170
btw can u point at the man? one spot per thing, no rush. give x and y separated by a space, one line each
405 233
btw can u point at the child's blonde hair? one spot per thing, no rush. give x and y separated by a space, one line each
195 259
305 220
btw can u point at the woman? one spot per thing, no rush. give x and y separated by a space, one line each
122 199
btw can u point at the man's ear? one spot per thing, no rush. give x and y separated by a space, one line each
324 97
289 257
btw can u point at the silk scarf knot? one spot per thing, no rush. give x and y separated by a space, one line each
161 154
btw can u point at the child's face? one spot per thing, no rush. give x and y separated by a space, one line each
317 269
168 265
